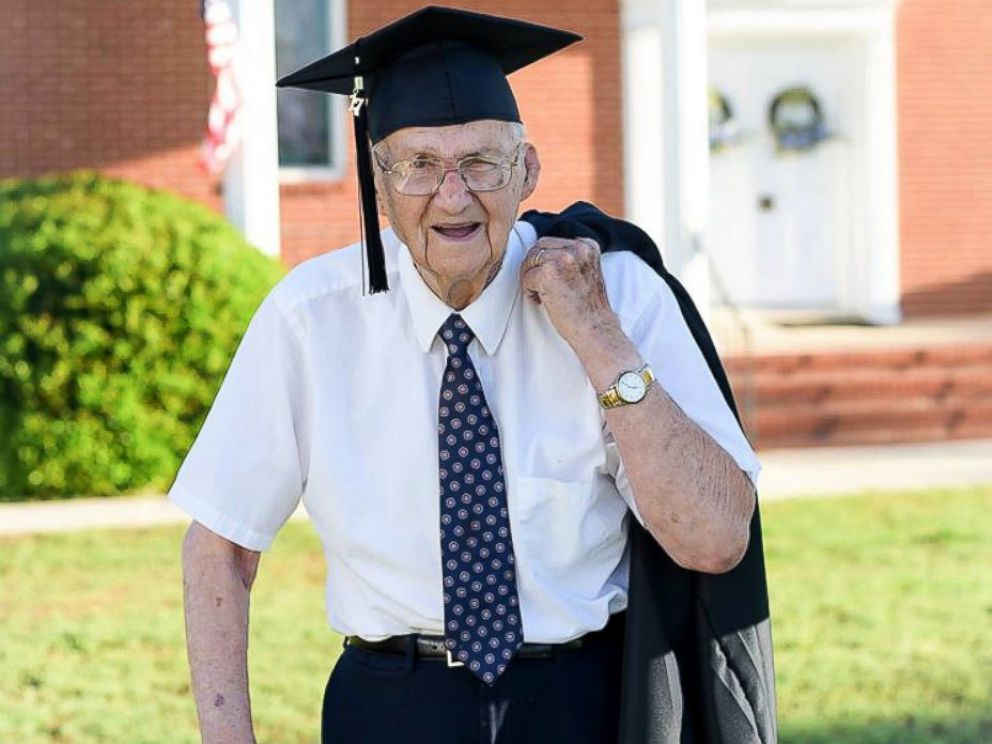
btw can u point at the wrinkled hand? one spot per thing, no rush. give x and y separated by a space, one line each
566 277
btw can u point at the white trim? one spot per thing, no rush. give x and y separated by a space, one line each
337 34
872 287
819 22
290 174
660 156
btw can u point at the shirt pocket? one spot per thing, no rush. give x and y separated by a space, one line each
564 524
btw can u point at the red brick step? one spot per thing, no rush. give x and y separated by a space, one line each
861 397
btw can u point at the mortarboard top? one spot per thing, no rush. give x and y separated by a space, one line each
435 67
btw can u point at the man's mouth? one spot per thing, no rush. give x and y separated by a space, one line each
460 231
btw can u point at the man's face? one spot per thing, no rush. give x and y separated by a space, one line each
457 237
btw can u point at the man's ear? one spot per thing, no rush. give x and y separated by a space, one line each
379 183
532 170
380 205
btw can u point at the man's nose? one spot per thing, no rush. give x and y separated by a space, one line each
452 195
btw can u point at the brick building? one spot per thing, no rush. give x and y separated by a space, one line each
945 155
91 87
85 85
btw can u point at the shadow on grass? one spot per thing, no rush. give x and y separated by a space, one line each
975 728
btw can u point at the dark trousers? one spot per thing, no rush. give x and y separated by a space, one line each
573 698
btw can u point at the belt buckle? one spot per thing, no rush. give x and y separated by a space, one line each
451 661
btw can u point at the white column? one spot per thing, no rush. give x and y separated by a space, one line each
882 300
687 142
666 131
644 119
251 183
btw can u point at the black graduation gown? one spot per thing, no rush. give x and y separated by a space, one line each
698 653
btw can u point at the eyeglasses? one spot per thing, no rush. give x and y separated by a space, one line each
421 176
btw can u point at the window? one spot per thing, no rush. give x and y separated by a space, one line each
310 123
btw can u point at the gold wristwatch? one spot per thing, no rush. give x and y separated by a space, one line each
631 387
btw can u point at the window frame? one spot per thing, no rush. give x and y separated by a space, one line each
337 21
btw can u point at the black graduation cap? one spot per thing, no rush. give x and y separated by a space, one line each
435 67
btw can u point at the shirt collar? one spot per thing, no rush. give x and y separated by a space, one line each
489 315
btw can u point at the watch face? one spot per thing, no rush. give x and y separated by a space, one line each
631 387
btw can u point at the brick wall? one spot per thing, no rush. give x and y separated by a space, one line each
945 154
88 85
121 87
569 102
85 84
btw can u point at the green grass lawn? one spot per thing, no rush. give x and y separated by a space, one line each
882 610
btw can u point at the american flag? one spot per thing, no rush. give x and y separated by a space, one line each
223 119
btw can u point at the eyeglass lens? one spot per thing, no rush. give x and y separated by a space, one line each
422 177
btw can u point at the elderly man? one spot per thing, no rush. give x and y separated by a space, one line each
470 445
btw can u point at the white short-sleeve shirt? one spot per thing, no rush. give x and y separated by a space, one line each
332 397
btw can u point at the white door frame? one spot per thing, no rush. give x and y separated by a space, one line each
661 41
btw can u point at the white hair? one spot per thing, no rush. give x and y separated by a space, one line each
519 131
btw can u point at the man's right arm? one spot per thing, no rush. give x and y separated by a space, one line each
217 580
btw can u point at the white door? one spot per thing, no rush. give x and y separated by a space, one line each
780 226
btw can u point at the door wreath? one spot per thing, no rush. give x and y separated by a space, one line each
725 130
796 119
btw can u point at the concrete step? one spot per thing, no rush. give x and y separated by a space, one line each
823 388
914 394
951 355
872 437
872 421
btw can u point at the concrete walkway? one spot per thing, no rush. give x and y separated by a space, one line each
791 332
786 473
832 471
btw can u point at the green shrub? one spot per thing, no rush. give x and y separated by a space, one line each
120 309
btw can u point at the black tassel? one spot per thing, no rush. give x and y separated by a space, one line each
368 213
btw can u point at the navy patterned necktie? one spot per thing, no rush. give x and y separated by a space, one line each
482 627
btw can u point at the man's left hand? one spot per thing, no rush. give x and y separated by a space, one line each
566 277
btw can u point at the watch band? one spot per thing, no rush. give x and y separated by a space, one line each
611 398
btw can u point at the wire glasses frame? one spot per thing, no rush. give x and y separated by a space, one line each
421 176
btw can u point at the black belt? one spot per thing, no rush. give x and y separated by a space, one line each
433 647
427 646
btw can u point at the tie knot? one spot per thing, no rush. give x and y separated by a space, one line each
456 334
